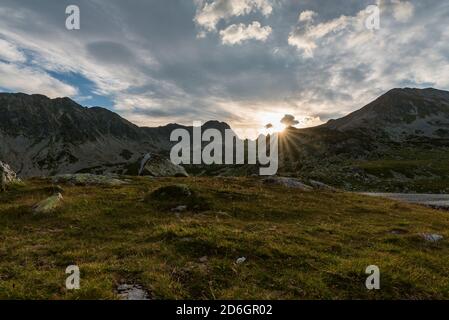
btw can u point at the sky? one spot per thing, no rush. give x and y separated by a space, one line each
245 62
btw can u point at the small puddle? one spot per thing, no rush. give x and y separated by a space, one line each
132 292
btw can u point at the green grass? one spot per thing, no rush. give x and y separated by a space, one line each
298 245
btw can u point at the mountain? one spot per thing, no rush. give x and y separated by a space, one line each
399 142
401 113
42 136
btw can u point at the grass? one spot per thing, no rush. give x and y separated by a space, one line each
298 245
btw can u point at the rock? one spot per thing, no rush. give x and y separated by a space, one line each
240 260
179 209
432 237
7 176
321 186
85 179
288 182
175 192
132 292
203 259
48 204
177 198
157 166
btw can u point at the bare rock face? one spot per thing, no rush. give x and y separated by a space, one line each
157 166
7 175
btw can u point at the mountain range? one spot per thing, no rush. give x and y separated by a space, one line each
400 137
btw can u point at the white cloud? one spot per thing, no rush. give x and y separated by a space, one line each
403 10
307 15
210 13
29 80
237 33
304 38
10 52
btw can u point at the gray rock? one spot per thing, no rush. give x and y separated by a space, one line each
432 237
132 292
288 182
7 176
157 166
48 205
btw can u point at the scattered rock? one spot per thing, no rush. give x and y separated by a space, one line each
132 292
85 179
157 166
179 209
432 237
288 182
240 260
48 204
203 259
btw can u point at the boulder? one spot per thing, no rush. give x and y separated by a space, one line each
157 166
6 172
288 182
85 179
172 192
49 204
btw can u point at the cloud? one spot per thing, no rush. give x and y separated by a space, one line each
29 80
403 10
145 60
10 52
289 120
238 33
307 16
210 13
305 38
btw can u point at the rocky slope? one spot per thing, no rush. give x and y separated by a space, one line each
41 136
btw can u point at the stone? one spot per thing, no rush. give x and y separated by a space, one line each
132 292
157 166
432 237
288 182
240 260
49 204
7 176
321 186
175 192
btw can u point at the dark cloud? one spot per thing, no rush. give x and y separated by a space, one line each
289 120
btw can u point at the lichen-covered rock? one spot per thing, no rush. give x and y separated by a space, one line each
85 179
49 204
288 182
157 166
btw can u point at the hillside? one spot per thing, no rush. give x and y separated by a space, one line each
297 245
396 143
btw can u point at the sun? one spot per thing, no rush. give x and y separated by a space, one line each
274 119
